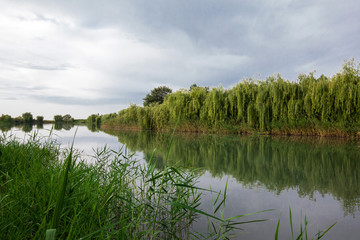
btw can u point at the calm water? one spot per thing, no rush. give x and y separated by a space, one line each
319 178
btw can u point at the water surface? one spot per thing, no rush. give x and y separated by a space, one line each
316 177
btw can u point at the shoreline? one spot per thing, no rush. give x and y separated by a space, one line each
334 133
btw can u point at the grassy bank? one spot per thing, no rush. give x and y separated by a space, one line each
45 192
324 106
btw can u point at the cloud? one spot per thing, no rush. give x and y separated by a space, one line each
91 53
79 101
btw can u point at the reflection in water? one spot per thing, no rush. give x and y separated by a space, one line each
27 127
93 127
268 173
63 125
5 127
306 164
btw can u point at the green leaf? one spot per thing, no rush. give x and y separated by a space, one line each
50 234
277 230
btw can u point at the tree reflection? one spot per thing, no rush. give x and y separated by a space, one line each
27 127
63 125
4 127
308 165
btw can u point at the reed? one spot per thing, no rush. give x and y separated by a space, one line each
303 230
52 194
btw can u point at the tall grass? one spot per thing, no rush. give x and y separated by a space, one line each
45 193
303 230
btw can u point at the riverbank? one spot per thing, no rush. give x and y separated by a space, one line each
47 191
309 130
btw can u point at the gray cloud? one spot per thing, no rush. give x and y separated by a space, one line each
79 101
39 66
117 51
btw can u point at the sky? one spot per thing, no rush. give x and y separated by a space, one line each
81 57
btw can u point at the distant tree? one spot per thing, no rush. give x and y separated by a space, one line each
67 118
193 86
39 119
6 118
196 86
92 118
98 120
58 118
157 95
18 120
27 117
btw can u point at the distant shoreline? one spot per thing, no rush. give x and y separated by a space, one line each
333 133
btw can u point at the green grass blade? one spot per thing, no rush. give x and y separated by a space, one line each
195 210
192 187
61 197
50 234
217 198
305 228
324 232
151 164
291 224
277 230
248 214
300 236
220 204
252 221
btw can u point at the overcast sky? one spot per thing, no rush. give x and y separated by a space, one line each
89 56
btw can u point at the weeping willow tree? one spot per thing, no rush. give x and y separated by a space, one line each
197 97
308 105
241 100
214 110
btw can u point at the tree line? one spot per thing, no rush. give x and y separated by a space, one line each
27 118
308 106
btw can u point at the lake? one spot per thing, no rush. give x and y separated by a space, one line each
316 177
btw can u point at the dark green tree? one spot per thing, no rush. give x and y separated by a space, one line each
92 118
18 120
6 118
28 117
193 86
58 118
157 95
39 119
67 118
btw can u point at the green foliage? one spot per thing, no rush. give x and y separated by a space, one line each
18 120
157 95
58 118
67 118
108 116
193 86
303 231
307 106
6 118
93 122
27 117
39 119
43 195
27 127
